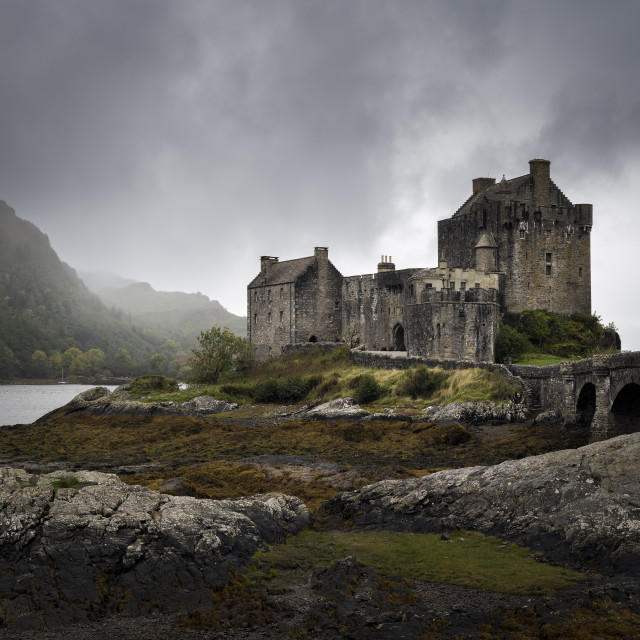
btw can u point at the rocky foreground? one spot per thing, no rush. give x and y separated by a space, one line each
68 554
580 506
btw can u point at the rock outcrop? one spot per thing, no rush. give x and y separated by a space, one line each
476 412
580 506
99 545
101 401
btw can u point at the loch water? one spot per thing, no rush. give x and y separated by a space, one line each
24 403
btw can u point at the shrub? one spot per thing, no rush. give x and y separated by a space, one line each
265 391
289 389
511 343
148 384
420 382
367 390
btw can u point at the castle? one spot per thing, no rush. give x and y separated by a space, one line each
513 245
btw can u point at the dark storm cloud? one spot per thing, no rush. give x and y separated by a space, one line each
191 137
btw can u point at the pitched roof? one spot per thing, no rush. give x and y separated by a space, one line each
493 192
283 272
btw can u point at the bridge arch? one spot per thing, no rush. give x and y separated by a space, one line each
625 409
586 404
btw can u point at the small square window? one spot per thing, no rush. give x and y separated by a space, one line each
548 257
548 269
463 286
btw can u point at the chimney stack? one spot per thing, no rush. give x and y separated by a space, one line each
540 171
386 264
480 184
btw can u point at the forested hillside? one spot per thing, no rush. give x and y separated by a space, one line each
49 319
175 315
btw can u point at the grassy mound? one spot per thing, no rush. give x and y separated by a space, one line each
467 559
317 376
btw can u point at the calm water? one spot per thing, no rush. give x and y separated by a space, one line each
24 403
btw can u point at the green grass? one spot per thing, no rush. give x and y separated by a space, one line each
542 359
320 377
467 559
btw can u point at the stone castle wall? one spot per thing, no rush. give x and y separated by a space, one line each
454 325
317 304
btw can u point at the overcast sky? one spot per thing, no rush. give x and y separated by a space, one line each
174 142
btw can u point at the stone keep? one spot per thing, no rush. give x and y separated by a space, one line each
514 245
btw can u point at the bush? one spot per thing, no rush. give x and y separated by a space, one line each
367 390
149 384
420 382
290 389
511 343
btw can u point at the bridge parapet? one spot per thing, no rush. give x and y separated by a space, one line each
602 392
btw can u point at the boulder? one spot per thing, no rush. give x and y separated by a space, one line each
580 506
476 412
100 545
340 408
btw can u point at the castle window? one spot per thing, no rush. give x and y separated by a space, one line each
477 285
255 296
255 318
579 272
548 269
269 317
281 292
547 257
522 234
336 305
547 233
281 315
428 285
463 286
452 284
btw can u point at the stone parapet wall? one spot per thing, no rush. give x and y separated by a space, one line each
400 360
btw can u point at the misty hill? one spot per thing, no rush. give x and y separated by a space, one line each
175 315
45 306
96 281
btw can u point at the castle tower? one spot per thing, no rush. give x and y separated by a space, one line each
486 253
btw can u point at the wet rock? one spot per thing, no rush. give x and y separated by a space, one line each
580 506
475 412
100 546
340 408
206 404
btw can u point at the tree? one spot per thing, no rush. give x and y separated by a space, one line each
221 352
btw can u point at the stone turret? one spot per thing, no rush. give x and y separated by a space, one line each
486 253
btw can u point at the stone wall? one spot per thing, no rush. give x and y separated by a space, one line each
317 304
373 308
453 325
400 360
271 318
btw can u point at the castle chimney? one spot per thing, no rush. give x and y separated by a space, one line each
386 264
265 263
321 253
540 171
480 184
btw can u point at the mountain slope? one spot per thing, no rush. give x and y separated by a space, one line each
45 306
176 315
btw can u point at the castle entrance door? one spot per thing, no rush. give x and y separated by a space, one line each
398 338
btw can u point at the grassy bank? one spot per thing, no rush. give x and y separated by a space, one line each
320 377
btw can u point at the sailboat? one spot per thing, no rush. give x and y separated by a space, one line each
62 381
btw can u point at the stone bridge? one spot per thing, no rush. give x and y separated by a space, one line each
602 392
